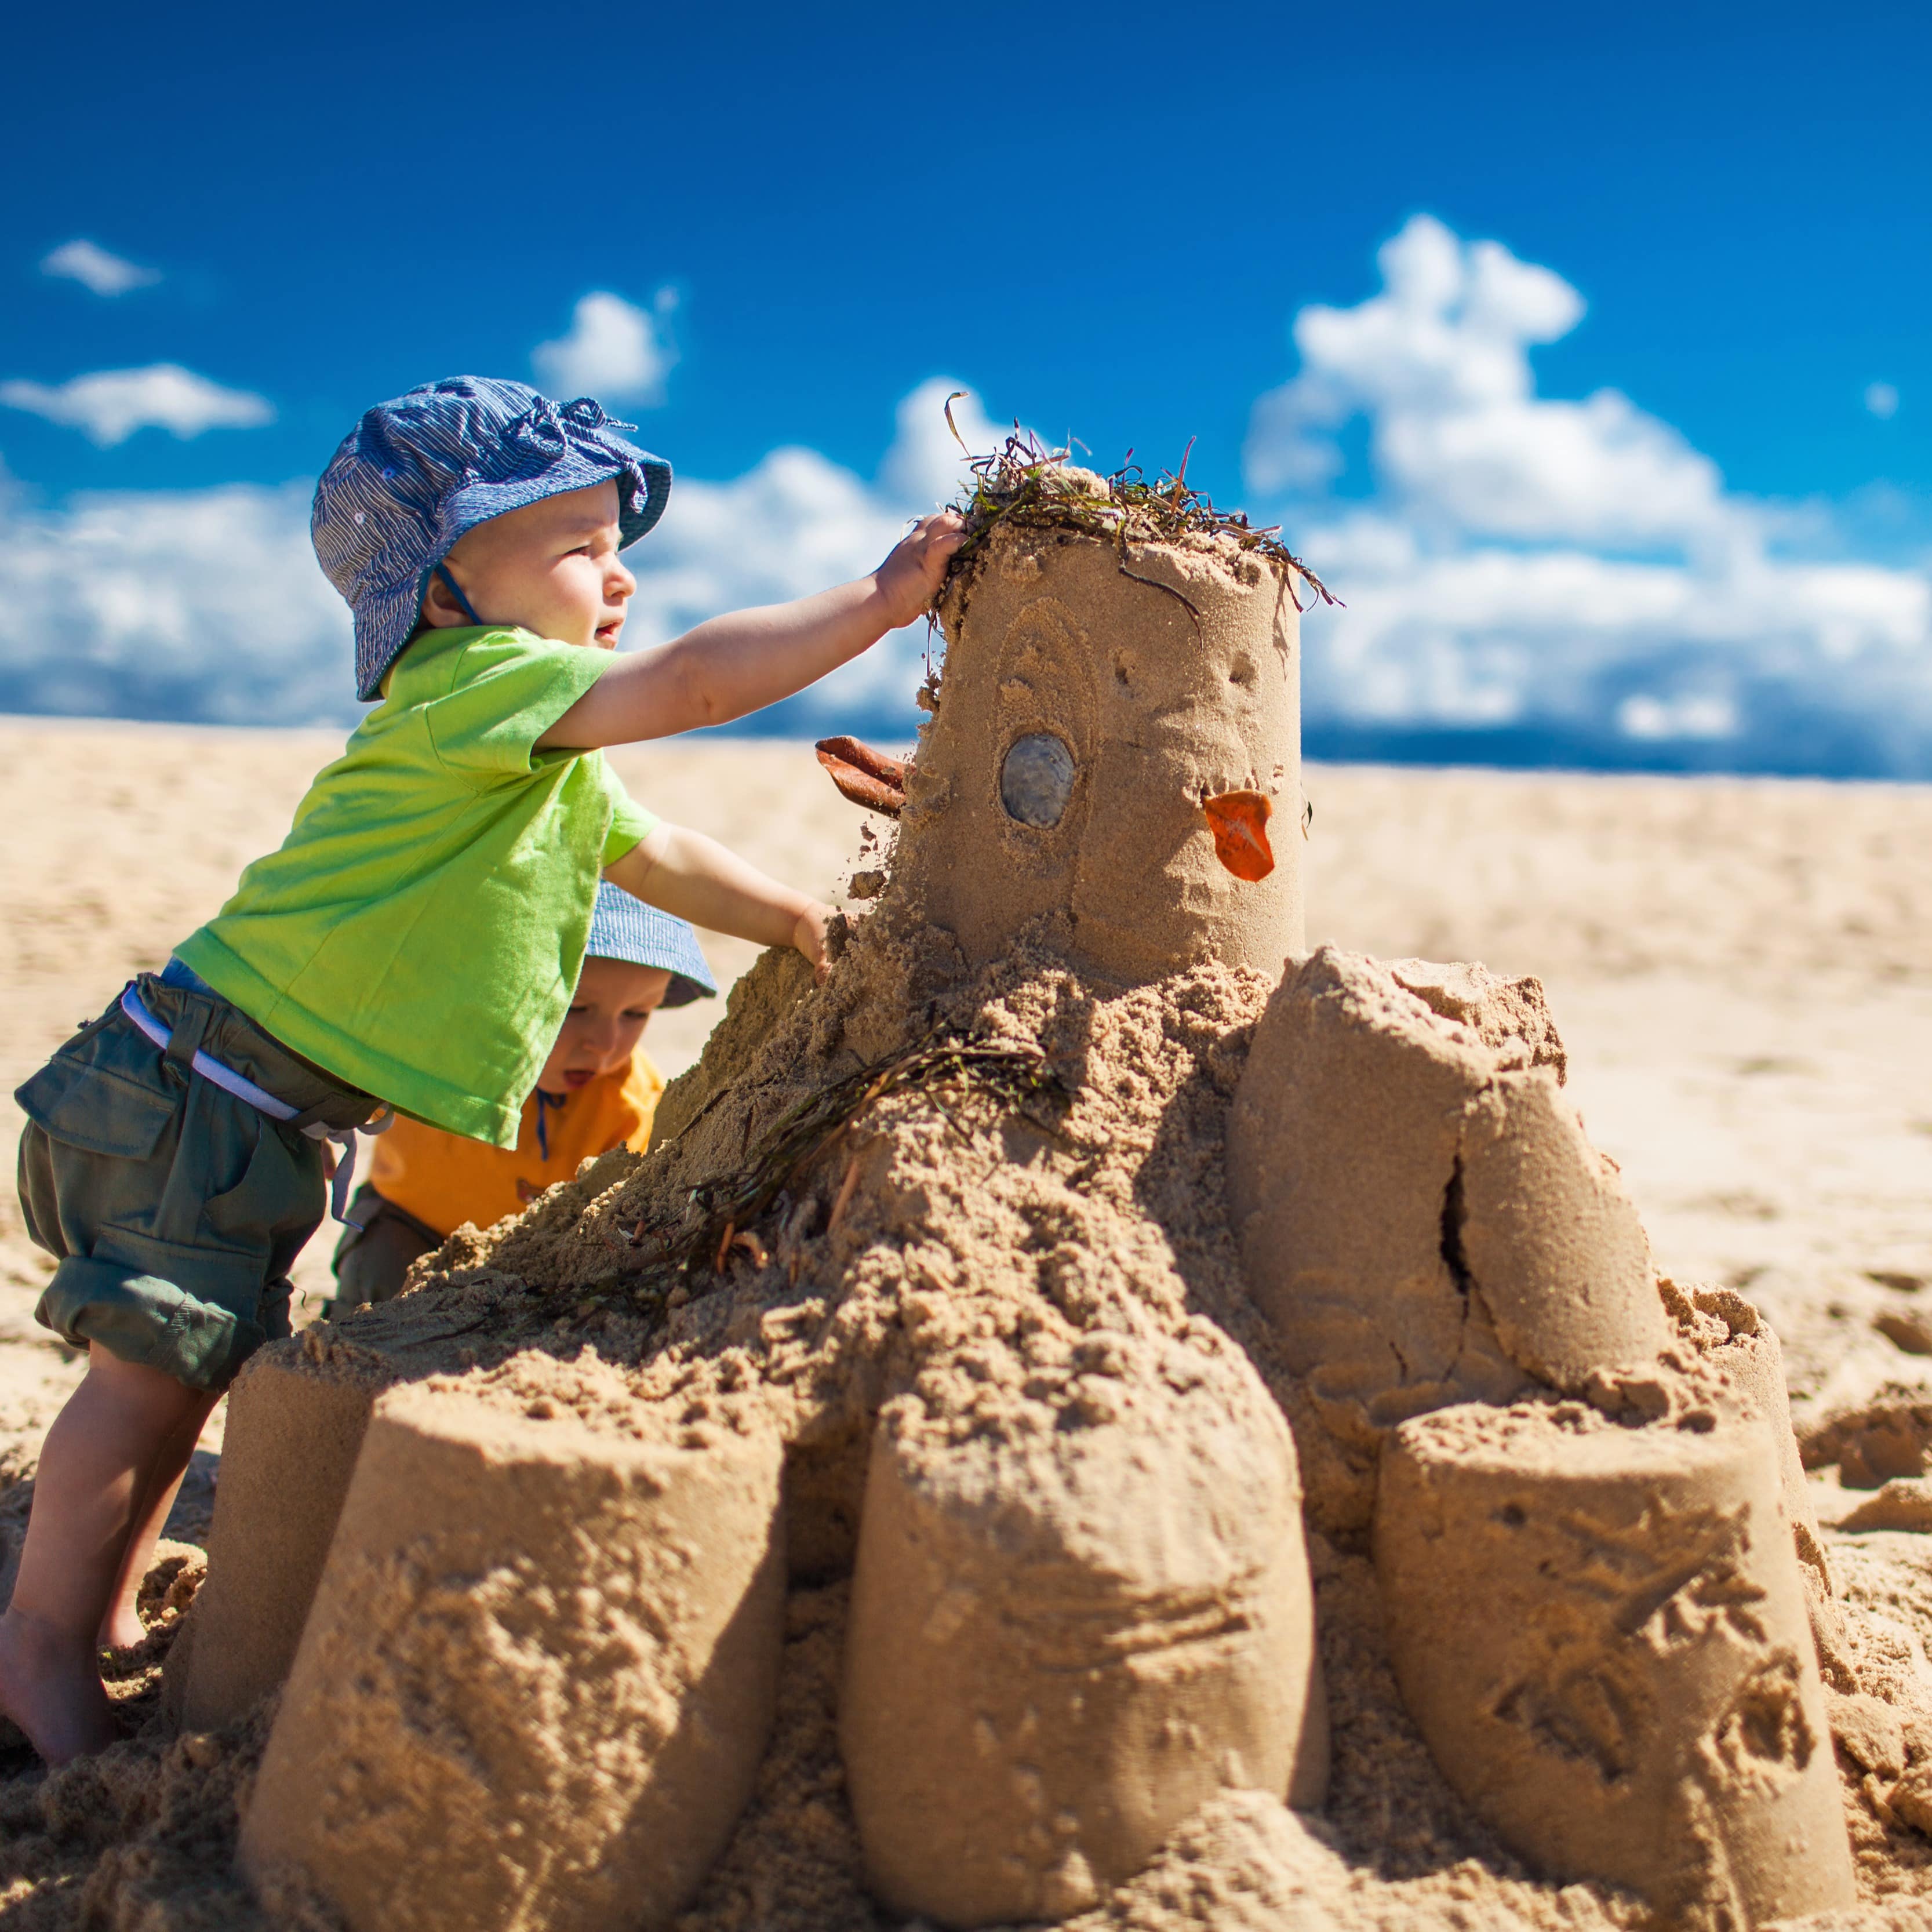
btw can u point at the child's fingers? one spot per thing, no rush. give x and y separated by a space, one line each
934 538
945 528
808 936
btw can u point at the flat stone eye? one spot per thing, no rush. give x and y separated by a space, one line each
1036 780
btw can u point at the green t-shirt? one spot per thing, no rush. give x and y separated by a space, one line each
419 933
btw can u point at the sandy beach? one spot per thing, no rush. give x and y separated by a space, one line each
1741 971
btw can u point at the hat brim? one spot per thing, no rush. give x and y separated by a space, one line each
683 991
624 928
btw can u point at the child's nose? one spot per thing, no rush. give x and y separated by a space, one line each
619 584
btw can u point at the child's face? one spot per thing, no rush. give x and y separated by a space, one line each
614 999
551 567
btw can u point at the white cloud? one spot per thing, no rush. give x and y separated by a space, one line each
110 405
1571 577
1881 399
615 351
87 263
795 524
1571 570
201 604
1437 363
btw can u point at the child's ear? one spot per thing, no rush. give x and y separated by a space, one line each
441 611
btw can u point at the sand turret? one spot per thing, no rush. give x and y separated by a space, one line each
1601 1631
1101 693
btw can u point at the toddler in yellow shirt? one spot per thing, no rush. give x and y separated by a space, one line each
598 1090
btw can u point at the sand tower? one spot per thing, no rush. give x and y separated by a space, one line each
1108 706
970 1297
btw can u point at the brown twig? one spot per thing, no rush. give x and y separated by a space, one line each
956 396
718 1215
845 1188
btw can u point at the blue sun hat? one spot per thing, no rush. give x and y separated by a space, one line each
415 474
624 927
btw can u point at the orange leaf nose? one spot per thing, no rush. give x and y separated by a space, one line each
1239 821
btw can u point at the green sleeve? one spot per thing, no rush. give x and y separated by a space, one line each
630 824
507 689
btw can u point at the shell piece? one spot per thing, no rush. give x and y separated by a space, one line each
866 777
1037 779
1239 821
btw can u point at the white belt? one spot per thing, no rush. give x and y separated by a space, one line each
230 1081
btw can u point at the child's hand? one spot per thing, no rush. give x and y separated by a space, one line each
909 579
809 935
746 659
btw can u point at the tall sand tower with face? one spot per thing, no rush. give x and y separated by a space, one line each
1114 765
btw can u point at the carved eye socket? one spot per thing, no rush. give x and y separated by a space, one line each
1036 780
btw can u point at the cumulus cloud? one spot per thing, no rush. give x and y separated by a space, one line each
1528 577
1438 364
615 351
110 405
91 266
796 522
1530 572
191 605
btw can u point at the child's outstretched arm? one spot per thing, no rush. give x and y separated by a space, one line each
747 659
686 873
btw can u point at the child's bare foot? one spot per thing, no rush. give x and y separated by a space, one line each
50 1686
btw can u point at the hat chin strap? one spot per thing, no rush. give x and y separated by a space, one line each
455 590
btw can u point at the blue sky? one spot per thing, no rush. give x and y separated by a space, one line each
1106 223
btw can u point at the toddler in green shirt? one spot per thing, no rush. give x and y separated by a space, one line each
412 945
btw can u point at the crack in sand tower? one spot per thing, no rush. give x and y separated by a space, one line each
1008 1364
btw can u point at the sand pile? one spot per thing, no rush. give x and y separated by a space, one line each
1077 1420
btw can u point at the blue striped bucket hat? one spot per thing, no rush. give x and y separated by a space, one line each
624 927
415 474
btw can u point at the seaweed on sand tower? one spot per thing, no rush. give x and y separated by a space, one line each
1024 482
723 1214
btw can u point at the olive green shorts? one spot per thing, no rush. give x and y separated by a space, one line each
175 1209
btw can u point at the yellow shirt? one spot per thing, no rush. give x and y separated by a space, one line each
444 1179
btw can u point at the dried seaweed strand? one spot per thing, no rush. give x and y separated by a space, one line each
1021 483
725 1209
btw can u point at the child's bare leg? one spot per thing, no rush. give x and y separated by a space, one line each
95 1469
122 1627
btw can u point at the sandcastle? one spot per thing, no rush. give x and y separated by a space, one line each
1044 1288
